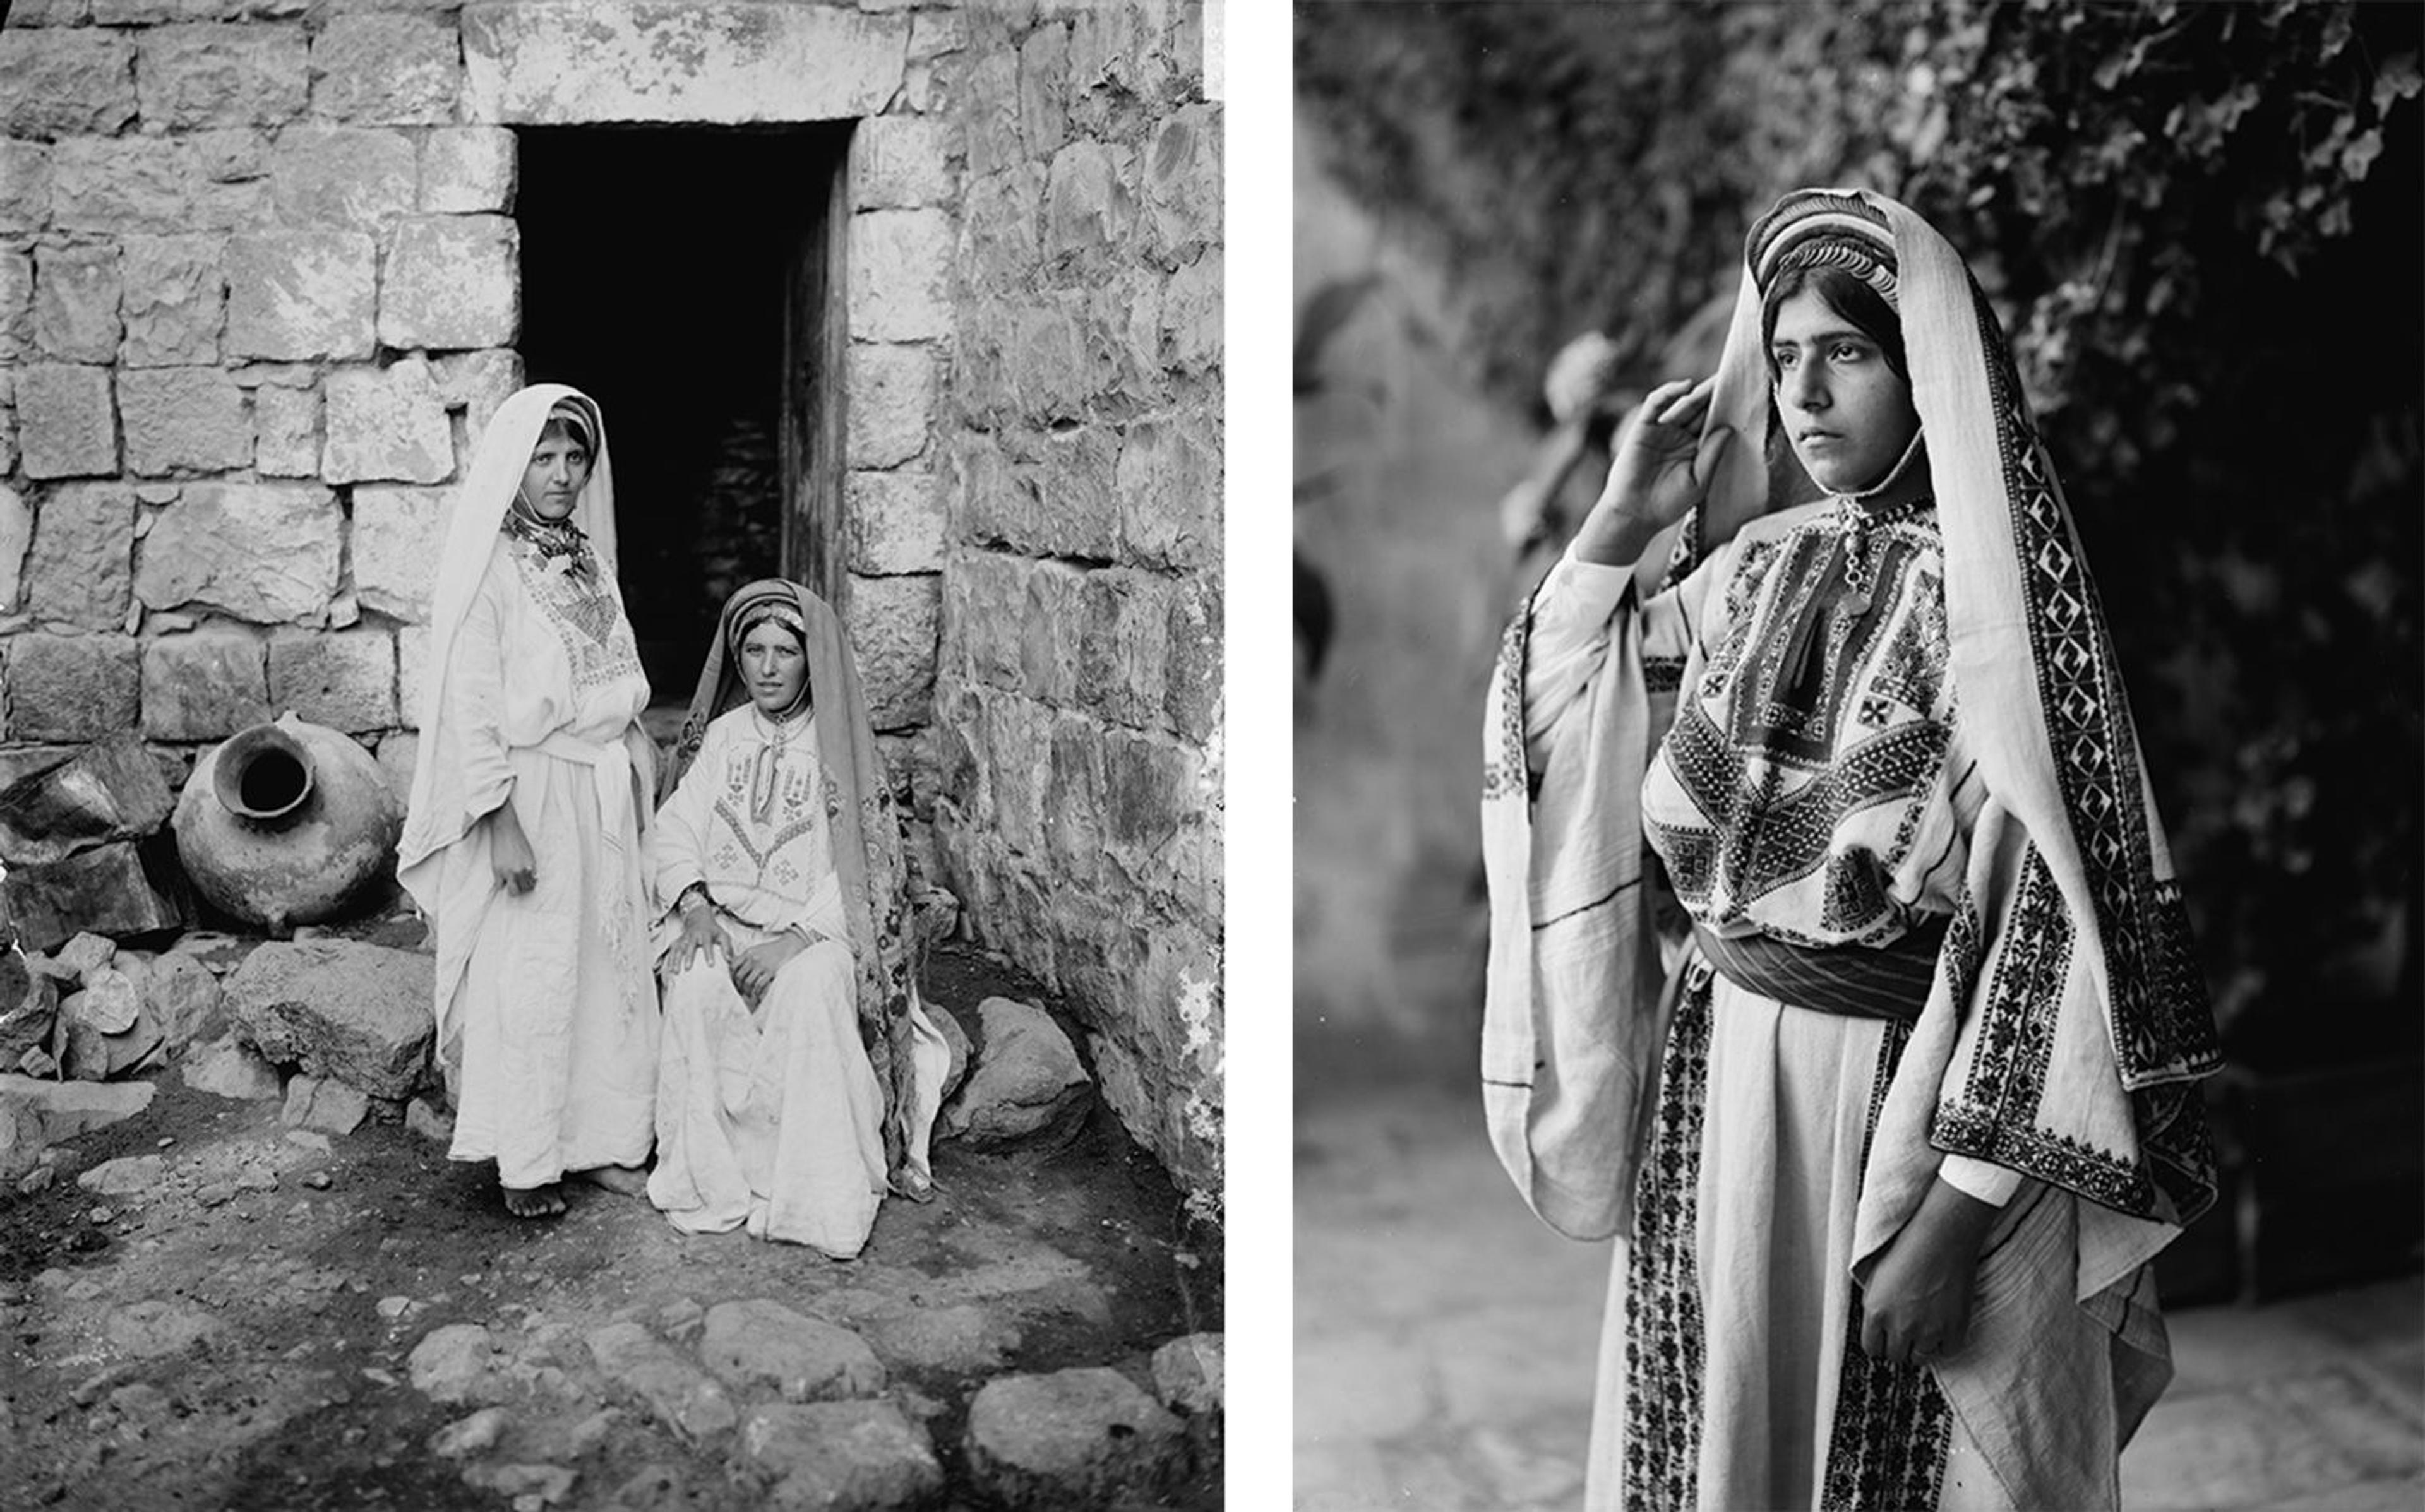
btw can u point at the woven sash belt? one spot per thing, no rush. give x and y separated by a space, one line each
1887 981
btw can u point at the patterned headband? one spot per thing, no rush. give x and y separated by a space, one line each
575 419
1816 229
758 613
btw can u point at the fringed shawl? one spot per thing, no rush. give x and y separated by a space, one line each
2068 1024
867 850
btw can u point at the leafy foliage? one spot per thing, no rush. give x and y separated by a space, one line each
2201 226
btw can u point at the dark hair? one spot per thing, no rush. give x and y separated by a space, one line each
565 426
1842 291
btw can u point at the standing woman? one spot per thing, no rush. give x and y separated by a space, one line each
1895 1143
800 1075
522 843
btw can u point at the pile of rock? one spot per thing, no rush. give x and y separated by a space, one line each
114 1013
87 847
804 1411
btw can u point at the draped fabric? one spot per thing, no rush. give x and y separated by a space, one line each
1957 754
543 1001
870 870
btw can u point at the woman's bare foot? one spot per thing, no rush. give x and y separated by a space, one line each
629 1181
534 1202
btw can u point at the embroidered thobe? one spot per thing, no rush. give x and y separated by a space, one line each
554 1004
1812 786
768 1116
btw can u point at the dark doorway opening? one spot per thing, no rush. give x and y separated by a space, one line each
662 273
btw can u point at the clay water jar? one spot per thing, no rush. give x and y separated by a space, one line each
287 823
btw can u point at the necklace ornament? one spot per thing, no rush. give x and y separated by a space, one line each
1856 527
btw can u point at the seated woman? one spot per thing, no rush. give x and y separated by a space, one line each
799 1076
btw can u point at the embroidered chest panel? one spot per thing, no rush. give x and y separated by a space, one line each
1794 777
587 615
789 852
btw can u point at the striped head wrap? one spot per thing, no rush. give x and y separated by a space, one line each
1822 228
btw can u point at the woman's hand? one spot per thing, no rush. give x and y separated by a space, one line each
753 971
510 858
1662 469
1916 1309
701 936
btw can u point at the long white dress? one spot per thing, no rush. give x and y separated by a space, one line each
768 1117
558 1033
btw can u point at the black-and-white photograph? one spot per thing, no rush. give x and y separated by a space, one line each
1857 754
612 782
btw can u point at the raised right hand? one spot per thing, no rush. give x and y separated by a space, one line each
1662 469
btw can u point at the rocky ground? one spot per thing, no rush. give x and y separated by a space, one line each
211 1303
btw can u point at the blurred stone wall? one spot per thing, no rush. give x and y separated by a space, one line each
259 292
1078 695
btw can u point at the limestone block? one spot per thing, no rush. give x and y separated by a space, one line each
66 426
197 77
1168 483
386 69
453 282
340 177
173 302
676 1392
1088 205
237 154
386 426
892 624
459 1362
344 679
77 571
990 109
293 296
184 998
71 687
899 162
1152 790
891 405
476 383
16 535
230 1068
264 553
899 275
564 62
842 1455
1001 221
399 755
126 184
1016 737
412 672
8 448
111 789
50 13
1075 1438
468 170
1191 315
1077 507
24 186
1182 186
65 83
16 306
1027 1081
398 536
75 302
1051 368
892 523
352 1012
1044 89
1191 644
328 1106
205 685
1124 646
68 1109
1073 797
938 34
287 432
764 1343
183 420
124 887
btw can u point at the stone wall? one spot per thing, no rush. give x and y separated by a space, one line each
1077 695
259 290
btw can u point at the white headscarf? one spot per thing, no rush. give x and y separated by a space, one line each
436 817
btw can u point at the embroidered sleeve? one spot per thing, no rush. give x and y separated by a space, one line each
1571 613
677 843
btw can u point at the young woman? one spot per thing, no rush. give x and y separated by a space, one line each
800 1075
522 842
1895 1141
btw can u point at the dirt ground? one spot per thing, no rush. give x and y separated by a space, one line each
236 1335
